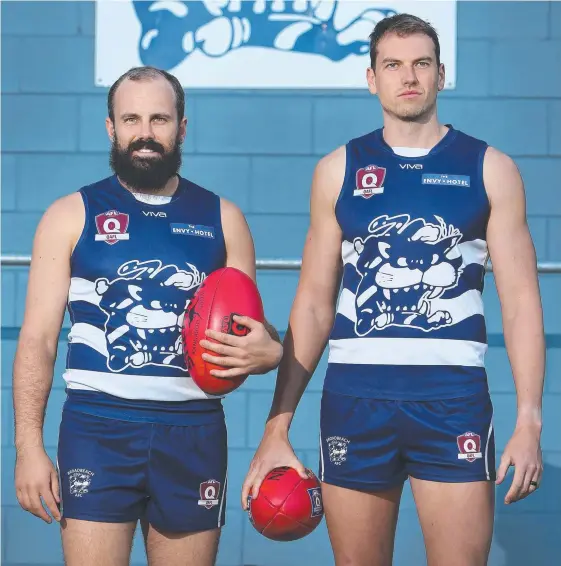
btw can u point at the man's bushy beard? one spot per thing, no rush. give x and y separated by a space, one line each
145 174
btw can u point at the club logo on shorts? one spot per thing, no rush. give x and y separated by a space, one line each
209 491
469 444
337 446
370 181
317 501
111 227
79 480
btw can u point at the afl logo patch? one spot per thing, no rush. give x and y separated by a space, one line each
209 491
111 227
469 445
370 181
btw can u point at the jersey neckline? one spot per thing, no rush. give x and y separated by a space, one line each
179 192
444 142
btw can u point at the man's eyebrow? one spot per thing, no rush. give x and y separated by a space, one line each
155 115
394 60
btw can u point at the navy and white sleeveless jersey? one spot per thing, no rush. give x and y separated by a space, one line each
133 272
410 322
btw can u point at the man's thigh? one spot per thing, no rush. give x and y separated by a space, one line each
456 520
180 549
361 524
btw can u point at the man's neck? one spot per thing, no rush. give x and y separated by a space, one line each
398 133
167 190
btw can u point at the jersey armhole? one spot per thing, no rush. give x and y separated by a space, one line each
85 228
221 228
480 160
345 179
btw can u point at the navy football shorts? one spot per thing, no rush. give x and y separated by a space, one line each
118 471
373 444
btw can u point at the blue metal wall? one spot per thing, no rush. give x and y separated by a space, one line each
259 150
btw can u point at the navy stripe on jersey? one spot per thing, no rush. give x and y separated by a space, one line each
473 326
85 355
181 413
80 310
382 382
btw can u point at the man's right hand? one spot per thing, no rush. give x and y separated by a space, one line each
37 478
274 451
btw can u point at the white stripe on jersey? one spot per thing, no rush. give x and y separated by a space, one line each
407 351
83 290
153 387
84 333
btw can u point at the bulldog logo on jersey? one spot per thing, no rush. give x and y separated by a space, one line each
469 445
111 227
405 265
209 492
370 181
145 305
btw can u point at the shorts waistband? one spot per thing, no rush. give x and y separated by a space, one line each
180 413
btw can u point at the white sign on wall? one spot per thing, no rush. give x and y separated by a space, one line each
256 43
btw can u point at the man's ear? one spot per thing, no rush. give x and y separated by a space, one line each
110 127
371 80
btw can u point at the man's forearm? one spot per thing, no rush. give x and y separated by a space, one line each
32 382
303 346
525 343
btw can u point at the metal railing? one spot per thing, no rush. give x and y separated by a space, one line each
272 264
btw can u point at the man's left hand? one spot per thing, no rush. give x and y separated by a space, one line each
523 452
255 353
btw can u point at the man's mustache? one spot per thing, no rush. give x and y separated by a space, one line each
152 145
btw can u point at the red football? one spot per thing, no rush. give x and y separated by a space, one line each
287 506
224 293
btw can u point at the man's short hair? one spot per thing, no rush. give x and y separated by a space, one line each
143 74
402 25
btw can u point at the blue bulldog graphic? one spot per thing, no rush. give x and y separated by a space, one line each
145 306
174 30
405 264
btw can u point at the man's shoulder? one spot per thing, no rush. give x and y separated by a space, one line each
74 201
66 204
498 164
333 161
